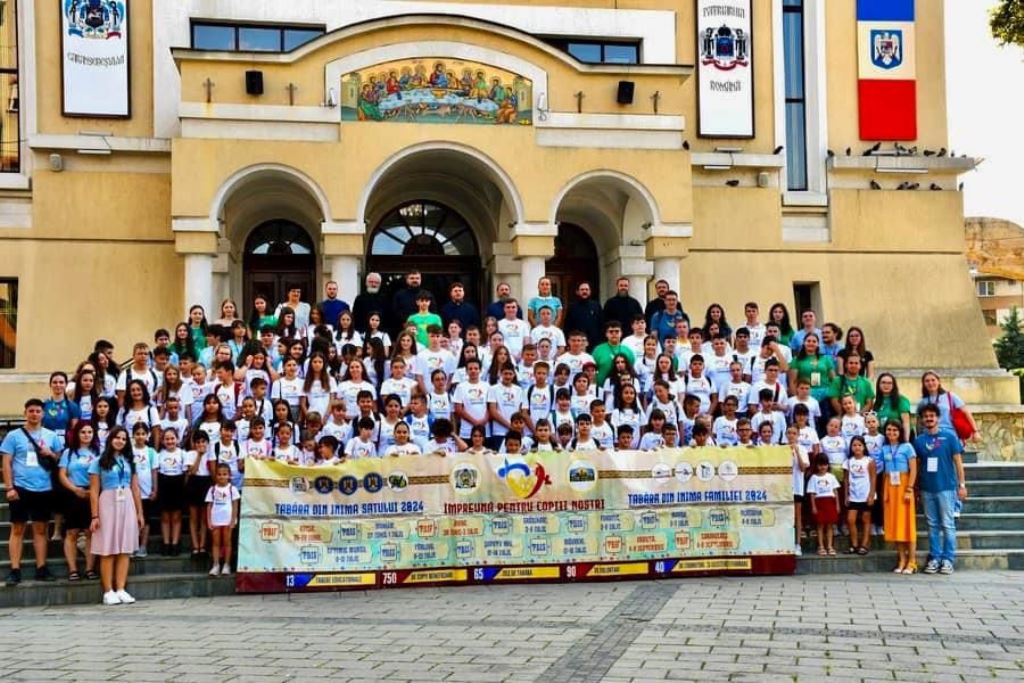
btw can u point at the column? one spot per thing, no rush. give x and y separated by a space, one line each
638 288
199 283
667 269
345 271
531 269
532 245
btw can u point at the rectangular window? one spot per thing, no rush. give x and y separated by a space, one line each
986 287
8 322
806 295
599 51
991 319
796 97
208 35
10 105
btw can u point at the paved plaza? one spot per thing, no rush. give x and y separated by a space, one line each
849 627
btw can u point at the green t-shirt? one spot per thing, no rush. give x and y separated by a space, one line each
422 321
816 371
859 387
604 358
885 411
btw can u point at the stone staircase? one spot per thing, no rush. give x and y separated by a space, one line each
990 536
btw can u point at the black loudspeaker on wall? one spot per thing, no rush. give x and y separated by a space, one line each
625 95
254 82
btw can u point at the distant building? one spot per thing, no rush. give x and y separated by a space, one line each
995 254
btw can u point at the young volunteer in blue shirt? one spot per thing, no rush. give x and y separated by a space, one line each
943 482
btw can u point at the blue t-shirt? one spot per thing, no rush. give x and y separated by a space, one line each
28 473
552 302
57 415
942 402
664 323
897 458
797 341
118 476
936 466
77 465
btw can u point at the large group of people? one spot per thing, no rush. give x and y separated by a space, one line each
118 446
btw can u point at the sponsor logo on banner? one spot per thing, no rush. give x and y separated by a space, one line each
886 48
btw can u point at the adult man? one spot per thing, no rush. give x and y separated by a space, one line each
943 481
851 383
332 306
544 298
809 321
369 301
295 303
604 354
585 315
515 330
28 457
496 309
664 321
458 309
657 304
404 302
622 307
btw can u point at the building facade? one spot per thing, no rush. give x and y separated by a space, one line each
237 147
995 257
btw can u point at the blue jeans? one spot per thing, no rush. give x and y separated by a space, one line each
938 511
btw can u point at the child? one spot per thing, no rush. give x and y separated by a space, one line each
564 435
701 386
724 428
226 388
873 440
211 418
803 397
257 446
524 372
145 464
454 340
860 494
575 357
503 401
477 445
327 451
284 450
173 419
513 443
288 388
263 407
701 435
691 410
766 434
353 382
745 433
423 319
624 438
402 444
603 432
735 386
664 401
392 418
652 438
439 401
197 483
282 416
373 331
852 423
363 445
307 448
807 435
834 445
443 439
562 414
171 489
317 388
547 331
246 413
543 442
627 411
222 516
767 413
800 465
226 451
584 440
671 435
514 330
540 396
104 418
432 358
822 488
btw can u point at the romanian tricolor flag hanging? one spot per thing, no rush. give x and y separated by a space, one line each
887 87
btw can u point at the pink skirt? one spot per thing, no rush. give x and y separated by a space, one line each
119 525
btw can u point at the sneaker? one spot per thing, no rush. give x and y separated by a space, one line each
13 577
215 570
878 531
43 574
797 550
111 598
125 597
932 567
142 552
226 570
946 568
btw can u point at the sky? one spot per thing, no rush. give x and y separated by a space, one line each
985 92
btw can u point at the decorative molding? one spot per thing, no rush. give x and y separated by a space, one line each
342 228
533 230
194 225
101 143
735 159
646 122
606 139
258 112
672 230
903 164
806 228
259 130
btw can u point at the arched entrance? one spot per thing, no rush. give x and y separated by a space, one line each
575 260
278 256
429 237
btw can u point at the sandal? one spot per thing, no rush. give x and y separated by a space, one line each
851 550
91 575
822 551
898 570
862 550
74 576
910 569
831 551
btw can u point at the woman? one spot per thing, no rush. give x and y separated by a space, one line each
855 344
286 328
779 315
138 408
819 371
85 392
59 413
890 404
197 327
106 381
74 481
183 343
900 475
260 316
933 393
716 314
116 515
228 313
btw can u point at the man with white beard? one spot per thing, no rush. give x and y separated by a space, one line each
369 301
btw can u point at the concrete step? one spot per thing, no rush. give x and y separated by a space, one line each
142 587
985 521
967 540
994 471
885 561
995 487
153 565
993 504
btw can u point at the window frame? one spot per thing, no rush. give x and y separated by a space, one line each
14 71
562 43
12 284
799 10
985 288
236 26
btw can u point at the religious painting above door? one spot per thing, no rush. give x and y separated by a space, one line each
437 90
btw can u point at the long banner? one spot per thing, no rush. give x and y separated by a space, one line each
382 522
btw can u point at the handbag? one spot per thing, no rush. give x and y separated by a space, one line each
961 423
47 463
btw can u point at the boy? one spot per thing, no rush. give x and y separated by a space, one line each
423 319
624 438
264 407
701 386
540 397
419 420
336 425
545 329
226 452
575 357
525 372
803 397
398 384
514 329
754 328
503 401
768 412
773 385
139 369
719 361
603 432
584 439
725 425
635 341
470 400
225 388
363 445
735 386
433 358
162 340
513 443
173 419
562 414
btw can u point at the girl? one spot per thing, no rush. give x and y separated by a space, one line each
282 415
85 393
198 388
398 384
500 357
362 446
106 381
724 427
74 479
138 408
664 369
228 313
652 438
182 344
212 417
103 421
171 386
260 316
468 353
455 337
835 447
439 401
239 340
374 361
890 404
197 483
779 315
715 315
286 328
821 488
227 452
807 435
116 515
405 348
579 400
353 381
257 446
627 411
197 327
317 326
392 418
373 331
146 462
900 463
317 389
800 465
402 445
860 495
222 516
855 345
852 422
477 436
284 449
170 489
254 364
289 388
645 363
346 332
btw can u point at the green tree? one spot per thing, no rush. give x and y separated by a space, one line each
1010 346
1007 22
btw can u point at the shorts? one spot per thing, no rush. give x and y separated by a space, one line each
77 512
196 490
170 492
859 507
798 498
36 506
150 509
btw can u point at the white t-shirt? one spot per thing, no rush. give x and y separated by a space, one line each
835 448
222 500
473 398
171 463
145 462
636 345
540 402
439 405
551 333
319 397
822 486
852 425
859 479
349 390
259 450
357 448
813 407
228 395
508 400
724 431
151 378
575 363
402 388
741 390
516 332
717 367
603 434
800 463
807 437
403 449
427 361
702 387
288 389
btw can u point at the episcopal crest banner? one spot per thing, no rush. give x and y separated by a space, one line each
725 81
94 58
